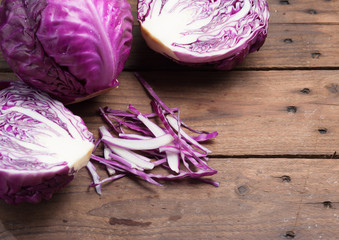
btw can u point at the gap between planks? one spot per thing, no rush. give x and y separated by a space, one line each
289 156
256 69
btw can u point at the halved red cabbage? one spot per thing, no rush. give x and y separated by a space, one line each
42 144
217 32
72 50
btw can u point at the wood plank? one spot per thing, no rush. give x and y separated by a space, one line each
257 199
296 11
255 112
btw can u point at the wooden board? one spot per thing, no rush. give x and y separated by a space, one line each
276 153
312 11
255 112
257 199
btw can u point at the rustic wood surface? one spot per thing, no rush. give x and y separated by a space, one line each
276 153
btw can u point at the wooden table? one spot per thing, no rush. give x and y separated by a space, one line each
277 117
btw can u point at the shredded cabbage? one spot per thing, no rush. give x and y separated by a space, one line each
167 145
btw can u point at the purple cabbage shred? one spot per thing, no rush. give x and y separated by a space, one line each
183 157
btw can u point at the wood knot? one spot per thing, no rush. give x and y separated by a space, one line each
291 109
288 40
327 204
316 55
322 130
242 190
285 178
305 90
333 88
289 235
284 2
311 11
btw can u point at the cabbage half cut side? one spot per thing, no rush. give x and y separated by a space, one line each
42 145
196 33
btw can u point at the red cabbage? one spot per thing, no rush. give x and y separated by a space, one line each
72 50
42 144
200 32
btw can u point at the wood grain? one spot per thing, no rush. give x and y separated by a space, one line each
254 201
255 112
296 11
276 153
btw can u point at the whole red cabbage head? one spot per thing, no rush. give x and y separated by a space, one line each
71 49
